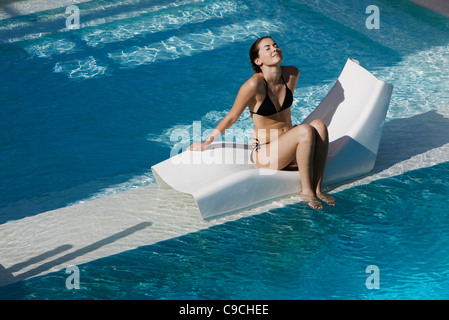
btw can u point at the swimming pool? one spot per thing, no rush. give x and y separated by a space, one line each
86 112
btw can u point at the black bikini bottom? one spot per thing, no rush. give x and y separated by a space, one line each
256 147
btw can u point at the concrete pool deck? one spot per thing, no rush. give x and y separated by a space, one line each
440 6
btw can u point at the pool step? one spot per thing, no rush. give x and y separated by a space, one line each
164 20
168 49
190 44
37 23
186 43
26 7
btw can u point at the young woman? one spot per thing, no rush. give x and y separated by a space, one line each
277 144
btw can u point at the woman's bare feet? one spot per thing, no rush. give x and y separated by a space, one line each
326 198
312 201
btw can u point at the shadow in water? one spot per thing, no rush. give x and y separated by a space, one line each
7 10
408 137
6 276
405 138
41 257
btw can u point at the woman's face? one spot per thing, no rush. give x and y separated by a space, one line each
269 53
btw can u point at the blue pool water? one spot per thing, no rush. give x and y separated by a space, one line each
85 113
398 224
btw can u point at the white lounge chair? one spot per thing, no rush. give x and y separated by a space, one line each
223 180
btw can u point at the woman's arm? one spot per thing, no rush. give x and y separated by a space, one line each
245 95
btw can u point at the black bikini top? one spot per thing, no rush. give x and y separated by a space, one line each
267 107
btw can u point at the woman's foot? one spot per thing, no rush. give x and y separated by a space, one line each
312 201
326 198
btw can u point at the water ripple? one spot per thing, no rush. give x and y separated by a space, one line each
207 40
167 21
48 48
80 69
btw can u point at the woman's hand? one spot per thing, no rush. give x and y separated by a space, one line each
198 146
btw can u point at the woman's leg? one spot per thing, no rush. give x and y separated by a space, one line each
296 144
319 161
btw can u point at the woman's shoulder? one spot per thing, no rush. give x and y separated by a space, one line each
255 82
291 70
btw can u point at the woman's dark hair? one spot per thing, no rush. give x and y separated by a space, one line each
254 53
